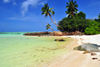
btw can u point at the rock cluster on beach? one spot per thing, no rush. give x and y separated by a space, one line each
55 33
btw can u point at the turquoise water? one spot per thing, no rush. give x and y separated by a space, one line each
17 50
12 33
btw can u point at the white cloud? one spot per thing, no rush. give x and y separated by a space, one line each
6 1
27 3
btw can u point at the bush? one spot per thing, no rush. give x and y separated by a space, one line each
73 24
94 28
86 26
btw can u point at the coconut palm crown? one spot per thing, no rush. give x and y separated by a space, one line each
71 8
47 11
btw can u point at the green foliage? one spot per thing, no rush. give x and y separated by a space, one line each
94 28
71 8
74 24
81 15
47 11
86 26
48 26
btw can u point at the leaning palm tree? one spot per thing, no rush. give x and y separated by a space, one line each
48 26
48 12
71 8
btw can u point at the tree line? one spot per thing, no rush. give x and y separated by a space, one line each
75 21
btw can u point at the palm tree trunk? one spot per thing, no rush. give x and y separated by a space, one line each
54 19
56 23
52 29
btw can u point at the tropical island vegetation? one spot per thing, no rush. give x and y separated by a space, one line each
75 21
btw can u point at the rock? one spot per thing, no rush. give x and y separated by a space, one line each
59 40
94 58
51 33
36 34
80 48
73 33
58 33
93 54
85 52
89 47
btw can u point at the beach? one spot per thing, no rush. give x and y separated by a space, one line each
77 58
30 51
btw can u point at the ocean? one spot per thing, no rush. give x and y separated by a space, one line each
17 50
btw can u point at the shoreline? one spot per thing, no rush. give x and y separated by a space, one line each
72 58
77 58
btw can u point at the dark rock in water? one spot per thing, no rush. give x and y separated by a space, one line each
93 54
59 40
89 47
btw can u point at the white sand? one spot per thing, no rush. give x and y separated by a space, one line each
87 39
76 58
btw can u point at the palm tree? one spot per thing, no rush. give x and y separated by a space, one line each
48 12
71 8
48 26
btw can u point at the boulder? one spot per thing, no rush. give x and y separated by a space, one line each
94 58
58 33
51 33
88 47
59 40
93 54
78 33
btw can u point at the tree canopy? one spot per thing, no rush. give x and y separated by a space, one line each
77 21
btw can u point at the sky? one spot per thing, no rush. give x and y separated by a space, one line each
25 15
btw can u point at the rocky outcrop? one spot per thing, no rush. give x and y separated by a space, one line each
55 33
59 40
73 33
58 33
36 34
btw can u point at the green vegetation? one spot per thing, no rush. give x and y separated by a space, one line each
71 8
48 26
75 21
78 22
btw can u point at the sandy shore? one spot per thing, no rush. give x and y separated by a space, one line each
77 58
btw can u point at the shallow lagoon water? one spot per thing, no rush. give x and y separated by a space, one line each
28 51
